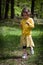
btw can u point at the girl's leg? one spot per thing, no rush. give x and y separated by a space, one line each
31 50
24 49
24 52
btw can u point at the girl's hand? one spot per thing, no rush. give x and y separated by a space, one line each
27 23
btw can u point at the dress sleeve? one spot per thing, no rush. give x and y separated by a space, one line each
31 23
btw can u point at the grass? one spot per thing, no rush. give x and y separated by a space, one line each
9 45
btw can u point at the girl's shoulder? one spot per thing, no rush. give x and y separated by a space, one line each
30 18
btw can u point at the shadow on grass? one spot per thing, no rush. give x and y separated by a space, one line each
11 57
9 41
39 48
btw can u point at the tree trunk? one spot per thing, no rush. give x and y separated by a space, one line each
0 8
32 8
6 9
12 8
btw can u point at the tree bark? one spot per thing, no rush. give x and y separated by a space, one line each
6 9
32 8
0 8
12 9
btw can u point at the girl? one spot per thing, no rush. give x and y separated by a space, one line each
27 24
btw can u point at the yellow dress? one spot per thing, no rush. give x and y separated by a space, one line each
26 26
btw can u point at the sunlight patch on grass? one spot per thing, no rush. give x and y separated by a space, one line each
37 33
4 30
10 31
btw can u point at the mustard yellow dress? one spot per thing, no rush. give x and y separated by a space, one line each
26 39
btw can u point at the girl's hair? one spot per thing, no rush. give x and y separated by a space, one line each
25 10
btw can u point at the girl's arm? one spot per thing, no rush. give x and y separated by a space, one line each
30 23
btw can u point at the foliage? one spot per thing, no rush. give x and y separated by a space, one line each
38 8
19 4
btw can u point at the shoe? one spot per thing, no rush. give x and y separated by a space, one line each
24 56
32 52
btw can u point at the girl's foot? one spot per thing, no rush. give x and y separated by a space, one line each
32 51
24 56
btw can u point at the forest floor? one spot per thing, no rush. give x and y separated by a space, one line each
10 50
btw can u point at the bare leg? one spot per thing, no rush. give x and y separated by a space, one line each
24 52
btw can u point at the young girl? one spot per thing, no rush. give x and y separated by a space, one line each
27 24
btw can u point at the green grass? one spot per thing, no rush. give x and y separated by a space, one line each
10 40
9 37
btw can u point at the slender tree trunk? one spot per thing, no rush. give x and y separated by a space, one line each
0 8
32 8
6 9
12 8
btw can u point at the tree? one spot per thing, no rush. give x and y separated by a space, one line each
32 8
12 9
7 9
0 8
